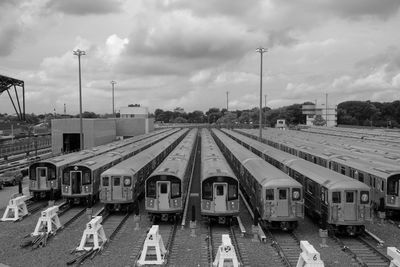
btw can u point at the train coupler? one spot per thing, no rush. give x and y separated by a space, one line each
153 251
16 209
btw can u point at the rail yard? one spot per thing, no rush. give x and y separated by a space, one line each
199 196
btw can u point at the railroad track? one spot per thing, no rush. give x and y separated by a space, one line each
215 233
361 249
35 206
69 214
286 244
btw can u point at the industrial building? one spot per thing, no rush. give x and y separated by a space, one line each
328 113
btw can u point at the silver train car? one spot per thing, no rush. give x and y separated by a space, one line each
219 184
81 180
45 175
123 184
381 175
166 188
335 201
276 198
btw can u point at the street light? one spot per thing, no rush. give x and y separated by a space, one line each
112 83
80 53
261 50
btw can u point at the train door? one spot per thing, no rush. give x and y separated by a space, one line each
220 197
282 203
163 192
116 187
76 182
41 177
350 207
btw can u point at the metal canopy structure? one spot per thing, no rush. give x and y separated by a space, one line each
5 84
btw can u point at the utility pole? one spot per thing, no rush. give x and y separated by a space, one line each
65 110
113 109
261 50
80 53
227 94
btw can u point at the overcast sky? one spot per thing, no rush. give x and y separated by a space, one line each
165 54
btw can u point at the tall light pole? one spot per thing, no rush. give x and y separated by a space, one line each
80 53
265 108
227 93
261 50
326 110
113 109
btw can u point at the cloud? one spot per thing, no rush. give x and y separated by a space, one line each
86 7
8 38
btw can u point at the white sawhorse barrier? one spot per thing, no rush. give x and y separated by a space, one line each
394 253
153 251
226 253
16 209
309 257
48 222
93 237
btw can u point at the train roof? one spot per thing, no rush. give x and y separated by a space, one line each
131 165
213 162
177 161
319 174
265 173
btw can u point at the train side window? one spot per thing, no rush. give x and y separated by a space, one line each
232 192
374 183
116 181
370 180
349 197
382 185
361 177
175 190
343 170
336 197
393 187
106 181
269 194
282 194
310 187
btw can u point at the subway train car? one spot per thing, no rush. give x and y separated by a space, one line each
219 185
122 184
46 174
382 175
166 188
335 201
276 198
81 180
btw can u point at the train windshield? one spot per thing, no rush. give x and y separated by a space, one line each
393 187
269 194
106 181
175 190
32 174
52 175
336 198
86 178
207 191
66 180
232 191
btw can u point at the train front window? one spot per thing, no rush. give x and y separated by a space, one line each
220 190
349 197
66 180
164 188
86 178
32 174
336 198
175 190
151 189
393 187
116 180
42 172
52 174
282 194
232 192
207 191
269 194
106 181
